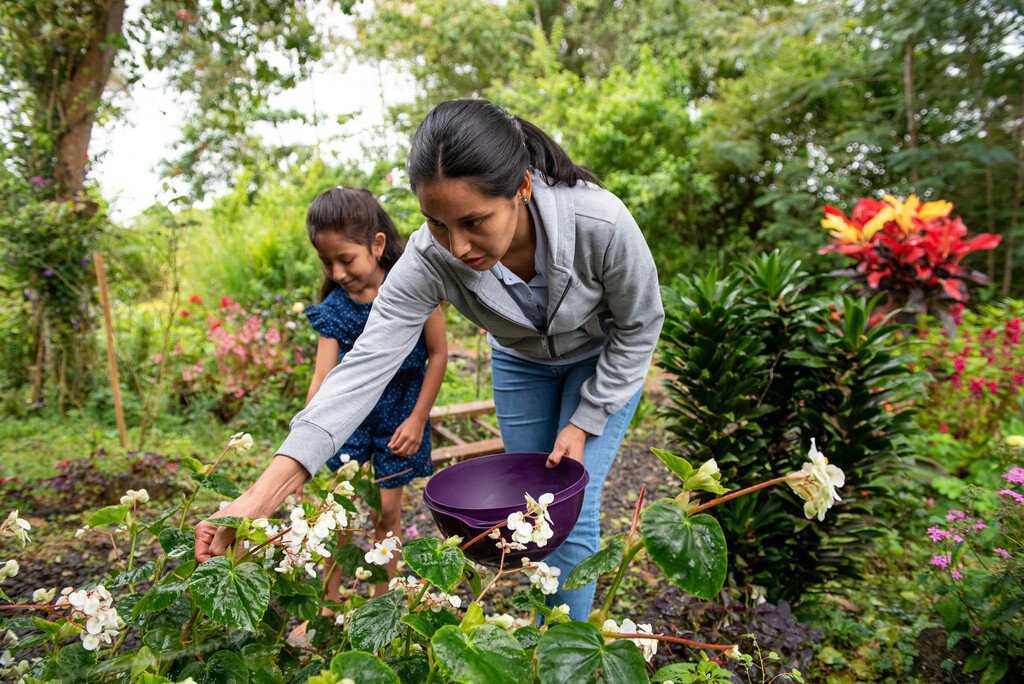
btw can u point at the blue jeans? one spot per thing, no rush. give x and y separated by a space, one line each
534 402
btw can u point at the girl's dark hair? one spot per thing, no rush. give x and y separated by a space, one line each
355 213
481 142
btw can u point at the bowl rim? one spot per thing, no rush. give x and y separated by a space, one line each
572 490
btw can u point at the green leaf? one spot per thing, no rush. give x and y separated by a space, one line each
413 669
527 636
164 593
142 661
679 466
474 617
472 579
690 550
226 667
110 515
300 597
375 623
220 484
604 561
73 662
362 667
488 655
951 610
575 653
176 543
996 670
369 492
234 596
426 622
975 663
227 521
439 564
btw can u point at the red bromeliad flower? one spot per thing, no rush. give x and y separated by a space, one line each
906 247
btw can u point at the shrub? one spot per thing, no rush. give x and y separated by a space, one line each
758 352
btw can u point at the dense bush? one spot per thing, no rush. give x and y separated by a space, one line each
761 363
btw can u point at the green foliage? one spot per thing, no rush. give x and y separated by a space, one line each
232 595
439 563
486 654
601 563
575 653
762 362
690 549
374 624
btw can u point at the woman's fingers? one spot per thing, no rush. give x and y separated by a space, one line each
204 537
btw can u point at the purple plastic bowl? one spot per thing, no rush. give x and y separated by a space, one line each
469 497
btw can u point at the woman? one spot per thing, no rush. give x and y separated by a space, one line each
527 245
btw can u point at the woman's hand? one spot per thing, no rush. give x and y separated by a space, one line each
282 477
408 437
570 442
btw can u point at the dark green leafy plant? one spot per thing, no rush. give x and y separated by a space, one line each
762 361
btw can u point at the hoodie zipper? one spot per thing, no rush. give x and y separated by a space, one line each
549 339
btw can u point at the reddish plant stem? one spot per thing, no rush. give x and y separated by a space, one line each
636 511
739 492
480 536
671 639
31 606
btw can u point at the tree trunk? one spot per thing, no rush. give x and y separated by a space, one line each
908 101
81 97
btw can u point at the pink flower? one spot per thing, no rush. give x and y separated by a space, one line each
993 386
1019 498
1001 552
39 181
1014 475
195 299
937 534
956 574
977 388
957 313
943 427
958 539
955 515
959 364
980 525
1013 331
941 561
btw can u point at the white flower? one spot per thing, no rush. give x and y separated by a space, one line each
455 601
1015 441
347 680
345 487
563 608
135 496
539 507
544 576
362 573
291 325
733 653
298 307
241 441
43 595
10 637
379 554
542 532
80 532
9 569
6 659
522 530
816 483
260 523
339 619
96 608
349 470
17 527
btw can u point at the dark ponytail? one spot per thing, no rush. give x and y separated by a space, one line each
481 142
356 214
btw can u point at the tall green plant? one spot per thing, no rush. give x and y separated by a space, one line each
762 361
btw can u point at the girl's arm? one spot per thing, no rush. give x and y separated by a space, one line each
407 438
326 359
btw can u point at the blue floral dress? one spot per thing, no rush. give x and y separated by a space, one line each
342 319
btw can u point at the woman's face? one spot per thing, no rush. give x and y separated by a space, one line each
476 228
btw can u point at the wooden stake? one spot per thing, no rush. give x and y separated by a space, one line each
108 324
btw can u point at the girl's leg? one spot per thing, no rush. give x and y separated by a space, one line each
526 399
331 592
599 454
389 520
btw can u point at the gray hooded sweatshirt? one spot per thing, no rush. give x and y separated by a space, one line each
603 294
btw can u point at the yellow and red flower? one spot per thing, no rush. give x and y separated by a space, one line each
906 244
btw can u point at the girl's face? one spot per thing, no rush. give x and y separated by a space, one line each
352 265
476 228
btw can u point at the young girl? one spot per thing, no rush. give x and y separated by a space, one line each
358 244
